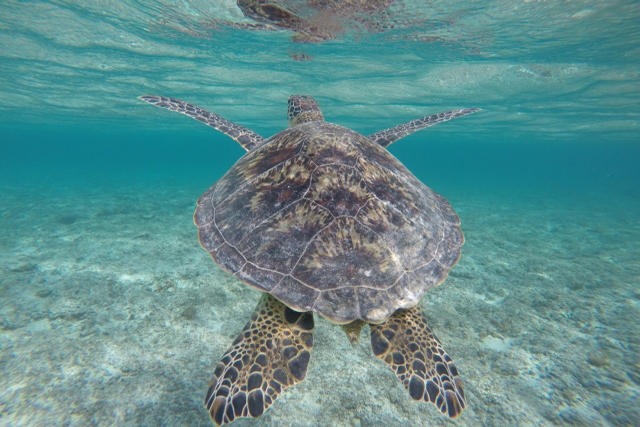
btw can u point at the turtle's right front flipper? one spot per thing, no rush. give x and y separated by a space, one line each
247 138
386 137
271 354
408 345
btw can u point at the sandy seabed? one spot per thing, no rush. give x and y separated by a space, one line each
111 313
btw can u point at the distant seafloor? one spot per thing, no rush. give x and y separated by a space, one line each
112 314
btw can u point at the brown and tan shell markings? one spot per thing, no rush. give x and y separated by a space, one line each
327 221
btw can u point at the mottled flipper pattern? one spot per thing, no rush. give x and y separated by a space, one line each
270 354
247 138
408 345
386 137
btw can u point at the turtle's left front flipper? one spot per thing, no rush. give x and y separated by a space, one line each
247 138
386 137
271 354
408 345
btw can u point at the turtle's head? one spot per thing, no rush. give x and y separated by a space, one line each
302 109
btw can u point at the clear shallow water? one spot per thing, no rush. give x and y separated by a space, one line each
111 312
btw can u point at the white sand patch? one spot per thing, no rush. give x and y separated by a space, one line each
496 344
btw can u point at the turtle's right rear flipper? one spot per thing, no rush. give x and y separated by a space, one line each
247 138
408 345
271 354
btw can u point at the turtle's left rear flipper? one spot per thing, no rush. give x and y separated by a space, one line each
386 137
408 345
247 138
271 354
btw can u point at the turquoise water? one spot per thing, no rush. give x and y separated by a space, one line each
111 313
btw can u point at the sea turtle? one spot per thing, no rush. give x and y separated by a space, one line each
325 220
